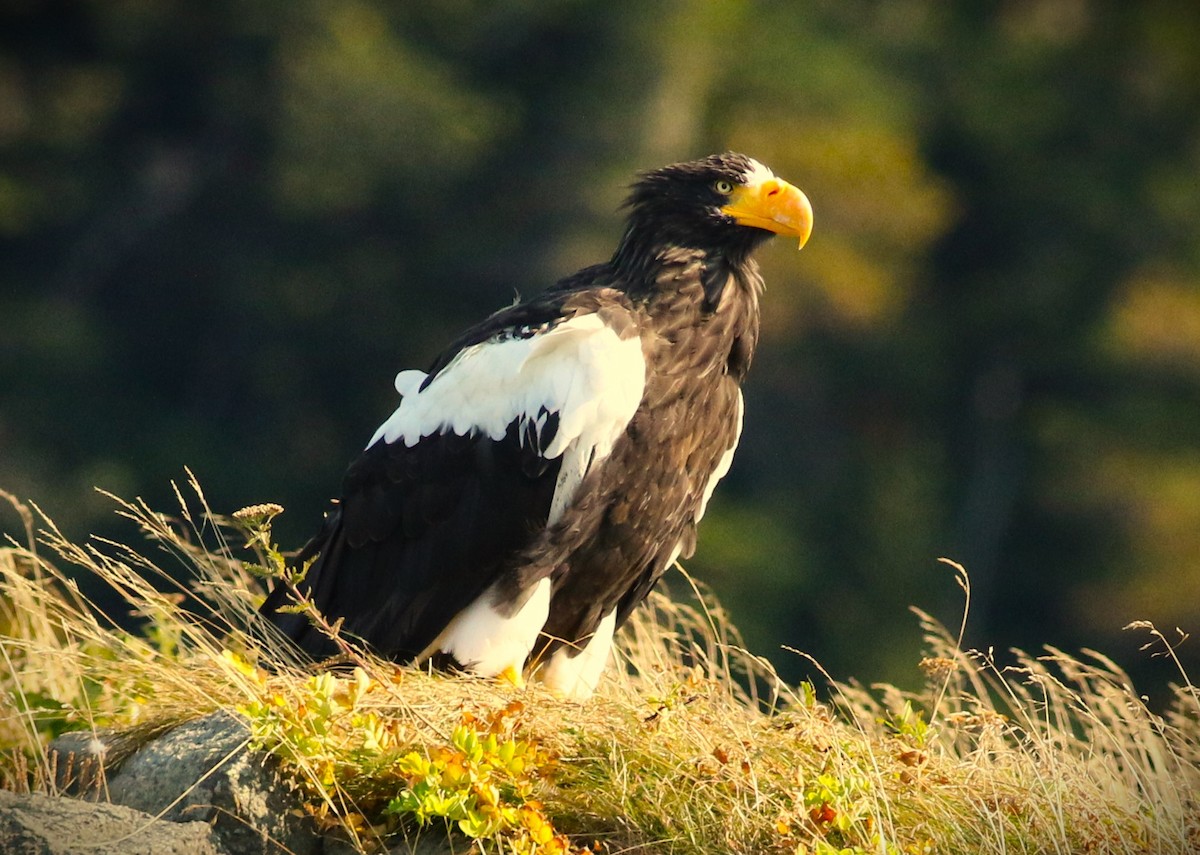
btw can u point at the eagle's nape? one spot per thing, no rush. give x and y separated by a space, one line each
534 484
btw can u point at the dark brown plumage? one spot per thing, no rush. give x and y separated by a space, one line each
555 460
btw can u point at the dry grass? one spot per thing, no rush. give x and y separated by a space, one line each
692 746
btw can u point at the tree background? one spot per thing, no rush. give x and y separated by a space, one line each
225 226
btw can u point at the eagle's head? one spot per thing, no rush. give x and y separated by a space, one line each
726 203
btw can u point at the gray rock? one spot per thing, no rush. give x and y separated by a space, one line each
203 771
43 825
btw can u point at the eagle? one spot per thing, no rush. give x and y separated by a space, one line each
535 483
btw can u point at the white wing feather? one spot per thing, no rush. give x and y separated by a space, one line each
580 369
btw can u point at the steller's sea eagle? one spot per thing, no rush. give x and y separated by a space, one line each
553 463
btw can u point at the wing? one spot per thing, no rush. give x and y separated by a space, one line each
686 546
479 457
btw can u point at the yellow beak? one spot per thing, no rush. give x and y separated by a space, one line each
773 205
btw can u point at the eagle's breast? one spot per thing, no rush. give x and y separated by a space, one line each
655 486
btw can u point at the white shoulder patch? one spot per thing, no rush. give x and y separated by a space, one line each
408 382
580 369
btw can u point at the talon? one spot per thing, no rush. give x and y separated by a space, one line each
512 675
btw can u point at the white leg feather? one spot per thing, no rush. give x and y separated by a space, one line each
486 642
575 677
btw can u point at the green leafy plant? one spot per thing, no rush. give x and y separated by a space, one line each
484 780
908 724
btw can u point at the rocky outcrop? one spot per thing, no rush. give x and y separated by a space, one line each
35 824
201 771
196 788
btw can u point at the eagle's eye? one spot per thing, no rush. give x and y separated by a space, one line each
723 187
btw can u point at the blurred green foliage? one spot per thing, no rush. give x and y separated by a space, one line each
225 226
